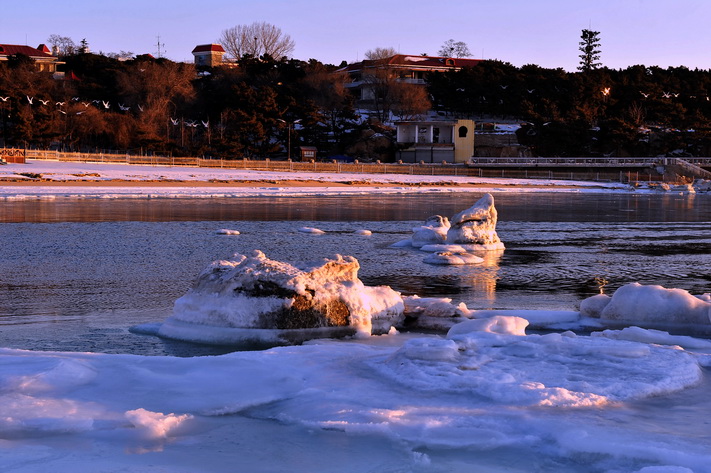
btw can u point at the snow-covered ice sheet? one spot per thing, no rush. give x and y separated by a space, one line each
484 398
483 389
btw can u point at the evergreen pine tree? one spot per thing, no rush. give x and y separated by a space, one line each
590 49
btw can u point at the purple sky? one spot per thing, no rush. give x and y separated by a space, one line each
543 32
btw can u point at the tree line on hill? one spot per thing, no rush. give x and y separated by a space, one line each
256 109
637 111
164 107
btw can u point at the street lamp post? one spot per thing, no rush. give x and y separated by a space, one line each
288 129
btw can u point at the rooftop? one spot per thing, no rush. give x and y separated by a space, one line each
12 49
204 48
404 60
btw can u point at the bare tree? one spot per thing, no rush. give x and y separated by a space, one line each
377 83
452 48
387 92
121 55
155 91
380 53
409 101
257 39
636 114
330 95
64 44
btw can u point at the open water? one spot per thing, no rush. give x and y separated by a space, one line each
75 274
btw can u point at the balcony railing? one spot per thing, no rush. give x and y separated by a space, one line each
568 162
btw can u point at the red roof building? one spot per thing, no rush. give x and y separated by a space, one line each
412 63
41 55
209 55
406 68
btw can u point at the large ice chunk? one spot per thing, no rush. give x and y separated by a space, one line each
476 225
254 298
495 324
434 231
455 242
653 304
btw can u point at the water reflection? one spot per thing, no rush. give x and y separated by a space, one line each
663 207
462 283
483 278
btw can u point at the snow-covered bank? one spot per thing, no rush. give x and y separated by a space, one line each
188 182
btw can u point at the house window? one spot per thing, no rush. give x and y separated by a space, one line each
463 132
449 62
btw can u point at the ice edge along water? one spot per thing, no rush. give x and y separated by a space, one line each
391 183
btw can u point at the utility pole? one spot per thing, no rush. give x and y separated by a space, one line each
288 129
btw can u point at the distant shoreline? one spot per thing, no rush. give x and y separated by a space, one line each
62 179
268 183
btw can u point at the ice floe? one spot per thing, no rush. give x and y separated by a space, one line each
457 241
256 299
649 304
312 230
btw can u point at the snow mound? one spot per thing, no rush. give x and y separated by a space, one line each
155 424
476 225
649 305
434 231
449 258
494 324
657 337
253 298
312 230
453 242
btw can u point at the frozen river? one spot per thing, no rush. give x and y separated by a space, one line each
75 274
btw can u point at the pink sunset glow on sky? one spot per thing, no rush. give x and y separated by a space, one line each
542 32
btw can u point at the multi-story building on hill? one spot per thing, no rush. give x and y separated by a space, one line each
41 55
401 67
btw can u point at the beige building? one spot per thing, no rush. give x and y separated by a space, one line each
450 141
41 55
209 55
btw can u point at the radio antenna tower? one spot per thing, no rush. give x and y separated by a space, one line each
161 47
